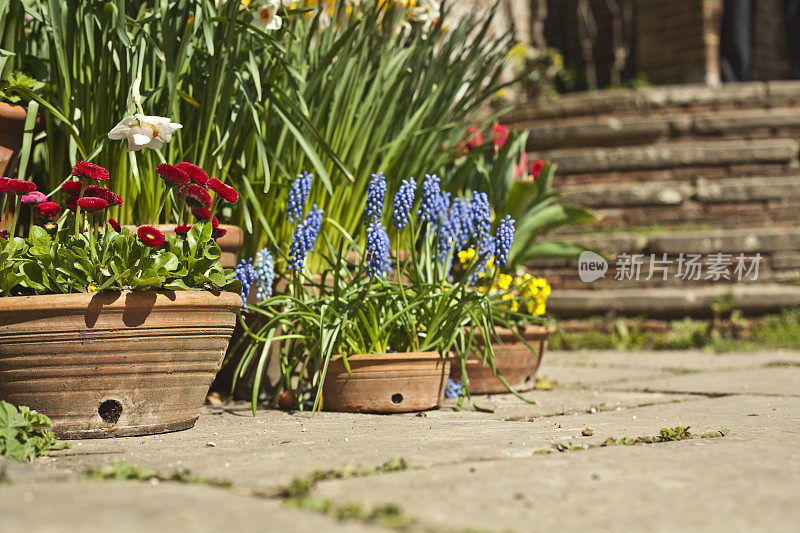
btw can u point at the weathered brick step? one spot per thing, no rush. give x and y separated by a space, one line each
672 302
672 154
786 188
634 130
666 99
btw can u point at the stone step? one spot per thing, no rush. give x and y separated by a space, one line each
665 99
672 302
630 159
637 130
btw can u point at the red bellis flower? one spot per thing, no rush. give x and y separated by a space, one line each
48 209
114 225
72 187
195 173
150 236
196 196
172 176
90 203
84 169
225 192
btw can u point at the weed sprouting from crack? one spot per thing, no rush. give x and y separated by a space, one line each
665 435
119 470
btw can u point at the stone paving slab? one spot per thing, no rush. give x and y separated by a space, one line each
709 485
137 507
780 381
593 376
670 361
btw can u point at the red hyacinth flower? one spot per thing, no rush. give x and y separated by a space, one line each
48 209
536 167
150 236
225 192
196 174
91 203
115 225
216 233
72 187
172 176
474 138
72 203
182 231
105 194
202 214
84 169
196 197
20 187
499 136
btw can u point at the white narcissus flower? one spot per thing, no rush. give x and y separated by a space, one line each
427 12
266 16
144 131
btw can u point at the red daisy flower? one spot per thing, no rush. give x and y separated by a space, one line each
536 167
114 225
196 197
4 234
90 203
48 209
182 231
34 197
20 187
202 214
150 236
4 185
72 203
225 192
196 174
105 194
172 176
84 169
216 233
72 187
214 222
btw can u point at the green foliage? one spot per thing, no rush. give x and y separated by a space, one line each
24 434
67 263
119 470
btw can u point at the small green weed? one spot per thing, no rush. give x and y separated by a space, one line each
24 434
119 470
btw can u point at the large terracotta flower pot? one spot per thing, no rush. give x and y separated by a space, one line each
513 360
229 244
12 126
114 364
386 383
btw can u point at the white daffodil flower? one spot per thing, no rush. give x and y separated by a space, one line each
144 131
266 16
427 12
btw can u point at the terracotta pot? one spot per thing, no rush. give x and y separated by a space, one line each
12 126
512 359
230 243
386 383
114 364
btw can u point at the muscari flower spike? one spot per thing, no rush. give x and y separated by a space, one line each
403 200
461 218
298 195
304 238
245 273
453 389
265 273
430 207
503 240
485 252
481 216
376 194
377 250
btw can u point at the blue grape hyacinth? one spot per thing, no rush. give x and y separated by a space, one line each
376 195
313 224
461 220
481 216
264 273
377 250
298 195
485 252
503 240
245 273
453 389
430 207
403 201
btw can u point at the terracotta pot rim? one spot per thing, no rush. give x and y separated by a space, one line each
13 111
394 356
66 303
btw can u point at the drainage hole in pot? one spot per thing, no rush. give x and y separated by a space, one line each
397 398
109 411
528 379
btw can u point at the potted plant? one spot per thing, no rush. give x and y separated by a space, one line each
376 331
109 332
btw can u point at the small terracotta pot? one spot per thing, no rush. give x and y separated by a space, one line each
114 364
386 383
12 126
230 243
512 359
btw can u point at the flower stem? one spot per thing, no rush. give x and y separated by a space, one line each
161 207
17 209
